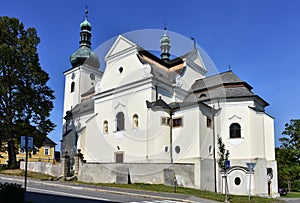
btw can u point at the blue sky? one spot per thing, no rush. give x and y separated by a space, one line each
260 39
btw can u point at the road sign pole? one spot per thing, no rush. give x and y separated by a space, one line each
26 161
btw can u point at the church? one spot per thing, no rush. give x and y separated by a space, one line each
144 109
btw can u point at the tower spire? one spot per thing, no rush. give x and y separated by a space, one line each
84 54
165 45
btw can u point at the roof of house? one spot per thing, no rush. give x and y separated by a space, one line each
48 142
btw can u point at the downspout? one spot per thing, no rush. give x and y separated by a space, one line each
214 149
147 150
171 136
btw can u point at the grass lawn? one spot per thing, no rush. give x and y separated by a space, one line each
159 188
188 191
292 195
30 174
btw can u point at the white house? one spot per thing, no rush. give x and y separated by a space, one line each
146 109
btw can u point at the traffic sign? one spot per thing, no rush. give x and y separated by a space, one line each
23 143
227 164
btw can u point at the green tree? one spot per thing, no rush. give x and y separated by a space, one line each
288 154
25 98
223 154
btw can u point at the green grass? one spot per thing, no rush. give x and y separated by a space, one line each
159 188
292 195
186 191
30 174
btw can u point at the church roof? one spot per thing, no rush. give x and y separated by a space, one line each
216 80
86 106
147 57
221 86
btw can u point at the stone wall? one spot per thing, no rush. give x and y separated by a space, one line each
152 173
43 167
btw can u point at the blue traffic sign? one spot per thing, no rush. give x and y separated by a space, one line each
23 143
227 164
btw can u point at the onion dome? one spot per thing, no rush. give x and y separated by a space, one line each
84 55
165 46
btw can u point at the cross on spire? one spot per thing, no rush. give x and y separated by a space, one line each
86 11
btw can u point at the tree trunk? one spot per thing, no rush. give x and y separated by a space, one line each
12 156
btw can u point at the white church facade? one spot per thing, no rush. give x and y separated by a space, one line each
145 109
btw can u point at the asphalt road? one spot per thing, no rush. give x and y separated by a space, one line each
55 192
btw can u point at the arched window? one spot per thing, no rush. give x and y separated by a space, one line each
73 86
105 127
235 130
120 121
135 120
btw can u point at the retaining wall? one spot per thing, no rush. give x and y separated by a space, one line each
43 167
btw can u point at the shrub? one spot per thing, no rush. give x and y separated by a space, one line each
11 193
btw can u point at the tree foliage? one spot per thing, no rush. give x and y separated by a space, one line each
288 154
223 154
25 98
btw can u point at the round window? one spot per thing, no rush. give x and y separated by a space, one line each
121 69
237 181
177 149
92 76
166 149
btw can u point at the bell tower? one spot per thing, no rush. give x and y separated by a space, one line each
85 72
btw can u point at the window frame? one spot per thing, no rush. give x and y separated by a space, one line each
235 131
120 121
135 125
72 86
181 122
48 150
104 130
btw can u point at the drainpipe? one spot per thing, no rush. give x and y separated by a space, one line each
171 137
214 149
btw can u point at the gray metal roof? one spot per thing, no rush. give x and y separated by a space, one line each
216 80
85 107
221 86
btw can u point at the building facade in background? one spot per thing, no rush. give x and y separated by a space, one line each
45 153
149 109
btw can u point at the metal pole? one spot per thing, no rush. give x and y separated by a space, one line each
226 187
26 162
171 139
250 187
214 149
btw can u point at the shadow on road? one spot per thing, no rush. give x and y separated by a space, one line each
34 197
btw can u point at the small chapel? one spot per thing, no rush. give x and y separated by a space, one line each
149 115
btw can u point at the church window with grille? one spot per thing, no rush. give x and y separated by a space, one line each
120 121
235 130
